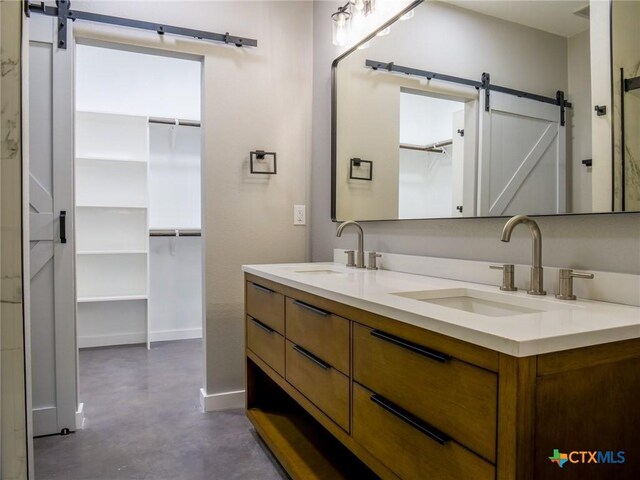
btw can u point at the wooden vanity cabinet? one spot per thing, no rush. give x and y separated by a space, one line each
338 392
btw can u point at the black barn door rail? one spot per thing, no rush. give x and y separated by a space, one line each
64 13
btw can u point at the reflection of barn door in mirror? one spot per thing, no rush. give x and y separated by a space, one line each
52 304
522 157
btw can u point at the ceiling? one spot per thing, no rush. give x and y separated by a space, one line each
553 16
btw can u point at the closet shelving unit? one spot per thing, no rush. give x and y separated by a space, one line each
112 222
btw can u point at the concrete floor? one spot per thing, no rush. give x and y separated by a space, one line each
143 421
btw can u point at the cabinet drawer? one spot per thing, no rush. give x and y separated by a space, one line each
322 384
266 343
265 305
410 447
321 333
449 394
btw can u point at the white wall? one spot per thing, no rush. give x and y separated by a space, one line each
175 288
600 242
254 98
117 81
174 177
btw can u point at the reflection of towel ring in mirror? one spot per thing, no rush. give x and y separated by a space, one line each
357 163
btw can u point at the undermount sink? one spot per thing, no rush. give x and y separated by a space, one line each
316 270
480 302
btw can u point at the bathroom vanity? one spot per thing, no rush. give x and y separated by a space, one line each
364 374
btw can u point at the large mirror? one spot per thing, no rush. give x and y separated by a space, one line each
490 108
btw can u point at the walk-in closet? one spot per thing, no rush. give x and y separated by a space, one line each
137 198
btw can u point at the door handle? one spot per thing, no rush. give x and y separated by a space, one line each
63 226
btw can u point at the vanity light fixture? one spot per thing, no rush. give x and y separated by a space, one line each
351 21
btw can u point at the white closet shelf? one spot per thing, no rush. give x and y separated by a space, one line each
116 298
107 159
113 252
127 207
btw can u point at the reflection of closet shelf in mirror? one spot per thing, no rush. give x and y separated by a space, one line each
113 252
104 159
117 298
124 207
175 232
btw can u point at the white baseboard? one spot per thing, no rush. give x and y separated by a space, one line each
45 421
80 417
178 334
89 341
221 401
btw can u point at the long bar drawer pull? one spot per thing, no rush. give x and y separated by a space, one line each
312 357
261 288
427 352
262 326
311 309
412 420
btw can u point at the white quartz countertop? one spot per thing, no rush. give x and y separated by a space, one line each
555 325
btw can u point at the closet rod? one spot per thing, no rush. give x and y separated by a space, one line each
175 233
174 121
434 147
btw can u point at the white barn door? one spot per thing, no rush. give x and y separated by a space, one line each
51 212
522 162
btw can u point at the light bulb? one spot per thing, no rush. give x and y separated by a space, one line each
384 31
341 21
364 45
358 5
407 15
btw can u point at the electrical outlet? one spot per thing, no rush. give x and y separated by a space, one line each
299 215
